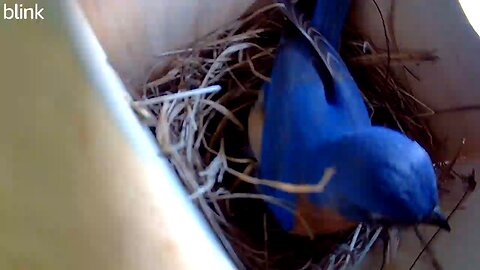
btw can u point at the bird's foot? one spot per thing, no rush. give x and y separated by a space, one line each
391 241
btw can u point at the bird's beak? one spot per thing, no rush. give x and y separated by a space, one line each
437 218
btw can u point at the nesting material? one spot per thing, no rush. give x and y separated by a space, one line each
198 111
389 101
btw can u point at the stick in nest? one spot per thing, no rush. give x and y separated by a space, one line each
287 187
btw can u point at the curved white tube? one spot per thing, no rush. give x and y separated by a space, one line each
191 243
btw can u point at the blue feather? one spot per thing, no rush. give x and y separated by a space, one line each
315 118
329 18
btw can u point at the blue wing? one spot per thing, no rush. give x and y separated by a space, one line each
311 99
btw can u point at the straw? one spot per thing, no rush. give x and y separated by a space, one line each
197 103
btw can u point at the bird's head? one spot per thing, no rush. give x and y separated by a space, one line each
381 175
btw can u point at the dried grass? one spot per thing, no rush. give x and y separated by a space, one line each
390 102
202 132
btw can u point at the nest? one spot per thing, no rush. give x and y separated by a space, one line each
198 110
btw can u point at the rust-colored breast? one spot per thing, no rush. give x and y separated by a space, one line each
320 220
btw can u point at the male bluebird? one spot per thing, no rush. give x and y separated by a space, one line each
314 118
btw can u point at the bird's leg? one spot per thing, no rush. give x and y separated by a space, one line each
391 239
394 237
385 239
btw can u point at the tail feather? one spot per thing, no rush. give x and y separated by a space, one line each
329 17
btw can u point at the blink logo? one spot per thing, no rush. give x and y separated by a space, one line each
20 12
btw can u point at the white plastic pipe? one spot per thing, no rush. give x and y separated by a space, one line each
83 185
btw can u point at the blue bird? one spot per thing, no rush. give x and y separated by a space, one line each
312 117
